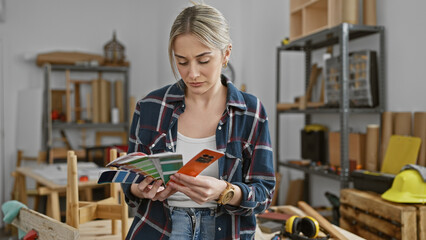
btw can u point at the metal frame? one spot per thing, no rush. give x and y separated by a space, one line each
48 126
341 35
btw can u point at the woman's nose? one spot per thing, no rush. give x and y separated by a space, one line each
194 72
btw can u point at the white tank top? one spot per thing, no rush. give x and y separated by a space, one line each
189 147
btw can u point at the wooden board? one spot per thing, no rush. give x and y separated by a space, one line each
403 123
105 101
95 101
420 131
46 227
368 215
421 222
67 58
99 229
356 148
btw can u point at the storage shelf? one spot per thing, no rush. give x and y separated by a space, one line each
75 68
330 36
49 125
88 125
340 36
311 170
332 110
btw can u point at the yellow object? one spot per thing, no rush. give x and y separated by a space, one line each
309 226
315 128
401 151
407 187
285 41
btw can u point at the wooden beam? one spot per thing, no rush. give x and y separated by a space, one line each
46 227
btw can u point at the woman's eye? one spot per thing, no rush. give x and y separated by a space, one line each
183 63
204 62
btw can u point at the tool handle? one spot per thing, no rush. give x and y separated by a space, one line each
324 223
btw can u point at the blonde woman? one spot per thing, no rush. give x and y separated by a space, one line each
202 110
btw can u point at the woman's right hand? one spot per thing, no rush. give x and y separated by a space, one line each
151 190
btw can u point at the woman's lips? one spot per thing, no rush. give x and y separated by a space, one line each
195 84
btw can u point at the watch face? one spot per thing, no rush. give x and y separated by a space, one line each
228 197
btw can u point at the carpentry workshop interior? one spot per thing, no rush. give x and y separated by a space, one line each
340 81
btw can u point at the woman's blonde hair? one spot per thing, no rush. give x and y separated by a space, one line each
204 22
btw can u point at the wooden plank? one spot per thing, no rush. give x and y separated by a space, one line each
421 222
108 211
373 211
105 101
369 12
68 96
47 228
403 123
374 204
408 225
100 229
108 103
95 101
54 205
288 106
79 81
371 221
124 212
420 131
87 212
89 106
315 72
132 106
350 11
77 104
58 96
67 58
72 185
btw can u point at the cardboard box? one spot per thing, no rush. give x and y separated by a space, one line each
368 215
356 148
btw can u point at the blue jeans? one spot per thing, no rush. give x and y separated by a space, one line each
192 223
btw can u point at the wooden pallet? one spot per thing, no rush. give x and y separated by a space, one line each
368 215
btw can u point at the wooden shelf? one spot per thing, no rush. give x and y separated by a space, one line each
313 170
310 16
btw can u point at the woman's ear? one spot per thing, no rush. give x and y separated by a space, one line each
227 53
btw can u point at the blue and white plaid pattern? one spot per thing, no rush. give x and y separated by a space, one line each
242 134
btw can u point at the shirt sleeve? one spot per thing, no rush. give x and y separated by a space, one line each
258 185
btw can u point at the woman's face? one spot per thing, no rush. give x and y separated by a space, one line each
198 65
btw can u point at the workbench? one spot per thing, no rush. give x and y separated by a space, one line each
53 181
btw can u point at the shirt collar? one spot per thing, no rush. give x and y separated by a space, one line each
234 96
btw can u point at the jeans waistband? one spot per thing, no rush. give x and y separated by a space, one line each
209 211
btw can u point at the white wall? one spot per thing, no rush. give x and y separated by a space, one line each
257 28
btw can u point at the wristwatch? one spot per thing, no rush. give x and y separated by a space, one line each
227 194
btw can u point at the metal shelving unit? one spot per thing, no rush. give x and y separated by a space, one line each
49 126
339 35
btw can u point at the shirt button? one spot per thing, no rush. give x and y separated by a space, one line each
153 145
220 128
219 229
170 147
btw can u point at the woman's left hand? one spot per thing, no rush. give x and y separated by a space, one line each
200 189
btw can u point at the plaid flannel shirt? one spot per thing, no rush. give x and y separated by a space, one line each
242 133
